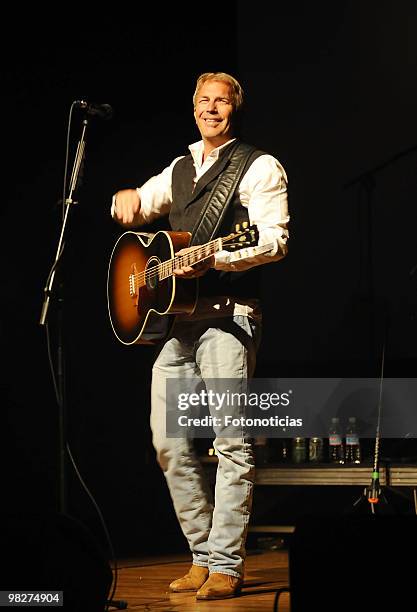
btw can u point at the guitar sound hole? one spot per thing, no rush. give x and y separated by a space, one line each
152 276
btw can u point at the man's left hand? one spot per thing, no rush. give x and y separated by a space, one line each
197 269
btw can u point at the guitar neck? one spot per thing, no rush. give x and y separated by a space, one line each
203 252
167 268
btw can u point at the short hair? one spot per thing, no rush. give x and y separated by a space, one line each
235 87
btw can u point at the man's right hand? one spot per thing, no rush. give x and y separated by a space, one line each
127 204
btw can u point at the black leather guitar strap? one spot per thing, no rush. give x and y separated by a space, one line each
213 212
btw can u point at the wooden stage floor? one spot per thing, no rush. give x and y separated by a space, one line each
143 584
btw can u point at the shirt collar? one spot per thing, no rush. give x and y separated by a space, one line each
197 149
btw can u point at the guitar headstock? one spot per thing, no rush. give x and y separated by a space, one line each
244 236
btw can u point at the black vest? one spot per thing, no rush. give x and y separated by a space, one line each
186 206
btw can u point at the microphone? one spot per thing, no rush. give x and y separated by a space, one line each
103 111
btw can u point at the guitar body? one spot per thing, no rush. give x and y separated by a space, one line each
138 298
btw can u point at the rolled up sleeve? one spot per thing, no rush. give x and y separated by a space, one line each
263 191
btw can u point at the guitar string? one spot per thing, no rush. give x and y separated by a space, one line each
169 265
165 266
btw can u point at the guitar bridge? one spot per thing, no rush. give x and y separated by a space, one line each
133 282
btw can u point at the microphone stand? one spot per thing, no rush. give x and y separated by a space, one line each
49 292
366 182
373 492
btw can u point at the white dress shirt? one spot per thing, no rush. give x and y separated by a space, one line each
262 190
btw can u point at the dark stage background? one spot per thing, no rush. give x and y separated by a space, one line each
331 91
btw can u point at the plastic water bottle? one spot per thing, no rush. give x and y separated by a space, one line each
299 450
353 447
336 451
315 450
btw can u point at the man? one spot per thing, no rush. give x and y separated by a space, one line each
220 339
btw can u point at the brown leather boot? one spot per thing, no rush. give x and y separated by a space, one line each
192 581
220 586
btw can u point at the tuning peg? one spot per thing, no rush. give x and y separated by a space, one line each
245 224
237 227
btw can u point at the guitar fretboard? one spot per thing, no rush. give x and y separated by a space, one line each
166 269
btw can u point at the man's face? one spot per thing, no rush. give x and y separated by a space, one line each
213 112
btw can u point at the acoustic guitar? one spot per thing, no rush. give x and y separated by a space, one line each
142 290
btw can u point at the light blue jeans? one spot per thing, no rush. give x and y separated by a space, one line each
208 349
